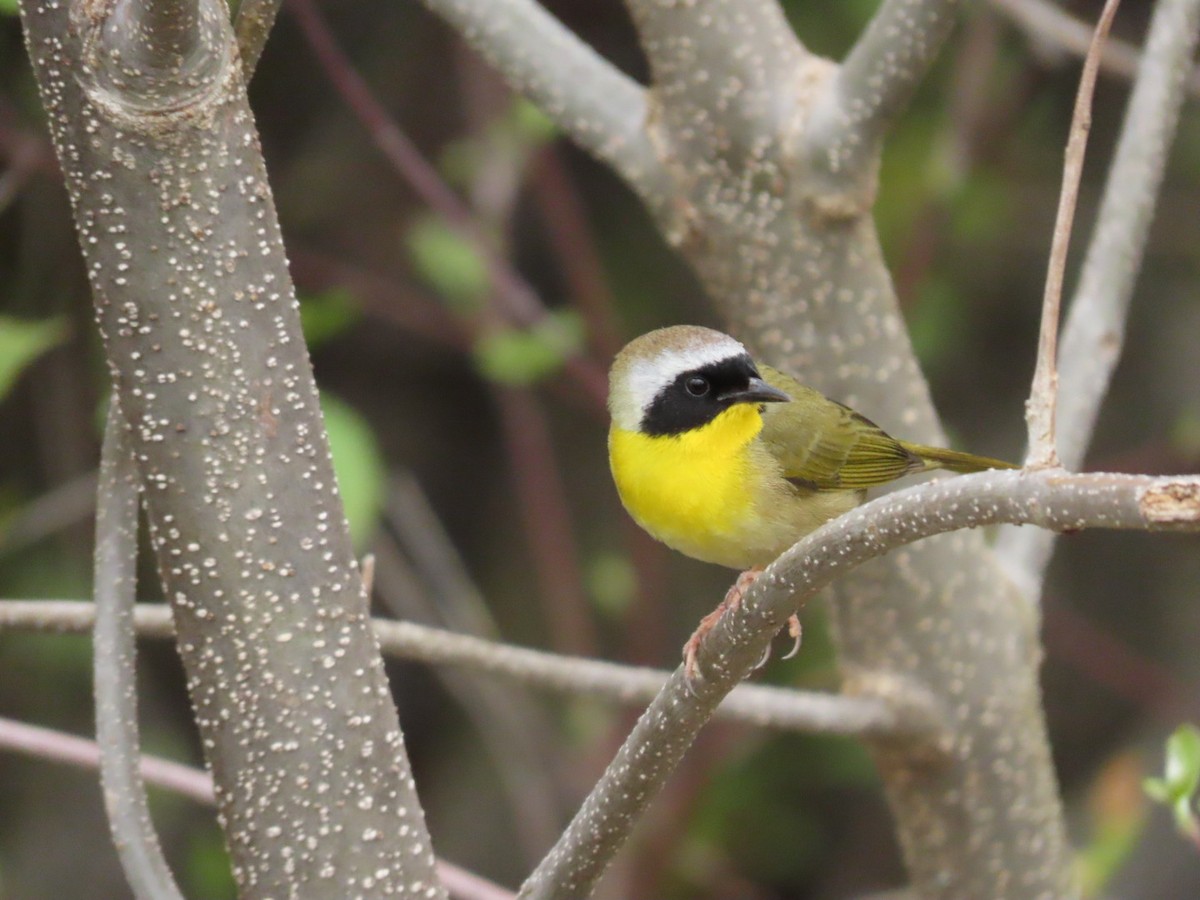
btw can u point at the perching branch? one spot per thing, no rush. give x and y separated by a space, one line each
1041 409
1048 498
601 109
115 670
202 333
767 707
1095 326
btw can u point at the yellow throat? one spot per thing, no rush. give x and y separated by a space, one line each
693 491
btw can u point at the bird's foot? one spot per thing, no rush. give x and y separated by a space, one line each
733 599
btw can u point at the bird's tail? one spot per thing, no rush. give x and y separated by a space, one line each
954 460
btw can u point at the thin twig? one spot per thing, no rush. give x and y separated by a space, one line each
116 684
767 707
1095 326
541 496
56 746
518 298
429 582
574 244
195 784
1048 498
518 302
60 507
1043 399
1049 25
602 109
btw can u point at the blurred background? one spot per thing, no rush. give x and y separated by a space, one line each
471 450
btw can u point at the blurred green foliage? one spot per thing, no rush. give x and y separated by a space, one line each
1117 820
524 356
328 314
1176 789
207 865
21 342
358 465
449 263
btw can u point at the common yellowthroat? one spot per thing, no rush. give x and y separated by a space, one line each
732 462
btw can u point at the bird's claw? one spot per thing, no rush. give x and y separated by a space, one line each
795 633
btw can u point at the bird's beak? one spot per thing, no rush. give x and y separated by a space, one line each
757 391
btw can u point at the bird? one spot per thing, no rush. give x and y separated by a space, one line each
731 462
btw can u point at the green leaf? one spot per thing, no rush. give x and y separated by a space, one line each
1183 760
1157 789
21 342
450 264
8 7
515 357
358 465
1181 777
325 315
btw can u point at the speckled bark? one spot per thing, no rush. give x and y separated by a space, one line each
201 327
780 230
767 159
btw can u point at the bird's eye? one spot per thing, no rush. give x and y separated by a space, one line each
697 386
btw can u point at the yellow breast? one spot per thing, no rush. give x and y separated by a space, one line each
696 491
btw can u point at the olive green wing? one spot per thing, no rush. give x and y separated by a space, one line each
826 446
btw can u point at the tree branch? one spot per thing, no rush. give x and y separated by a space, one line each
251 27
516 296
202 333
856 108
795 266
1049 498
513 730
601 109
1095 326
1041 409
115 670
195 784
47 744
515 299
723 81
1049 25
768 707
